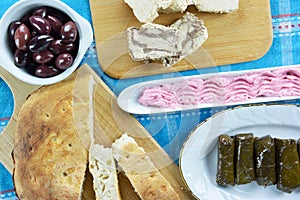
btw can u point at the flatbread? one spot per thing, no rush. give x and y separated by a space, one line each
50 159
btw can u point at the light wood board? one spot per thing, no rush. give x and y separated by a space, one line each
241 36
109 123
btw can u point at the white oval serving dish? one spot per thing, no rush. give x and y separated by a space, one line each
128 98
198 156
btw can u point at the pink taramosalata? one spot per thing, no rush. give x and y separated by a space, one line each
224 89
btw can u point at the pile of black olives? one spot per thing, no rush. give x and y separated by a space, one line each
44 41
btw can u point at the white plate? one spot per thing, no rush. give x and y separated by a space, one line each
198 157
128 98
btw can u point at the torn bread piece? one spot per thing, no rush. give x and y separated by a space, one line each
147 181
49 159
167 44
103 169
147 10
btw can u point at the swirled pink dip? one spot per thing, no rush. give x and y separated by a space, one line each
224 89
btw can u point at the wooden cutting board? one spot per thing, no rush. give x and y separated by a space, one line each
108 125
241 36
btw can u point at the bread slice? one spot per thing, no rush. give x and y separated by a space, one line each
148 182
103 169
50 159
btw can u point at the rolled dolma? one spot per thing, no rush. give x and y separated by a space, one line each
244 169
225 171
288 167
264 157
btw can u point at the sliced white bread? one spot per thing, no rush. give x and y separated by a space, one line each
103 169
147 181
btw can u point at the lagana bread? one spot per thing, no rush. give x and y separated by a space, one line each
50 159
147 181
103 169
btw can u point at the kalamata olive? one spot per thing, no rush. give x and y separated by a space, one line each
64 61
45 71
68 32
22 37
25 20
42 57
22 58
30 68
58 47
55 22
11 34
41 11
44 41
40 24
40 43
58 14
12 29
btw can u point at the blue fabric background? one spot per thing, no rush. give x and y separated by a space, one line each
170 130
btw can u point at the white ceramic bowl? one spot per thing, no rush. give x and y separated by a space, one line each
15 12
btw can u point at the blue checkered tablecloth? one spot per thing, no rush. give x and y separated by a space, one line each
170 130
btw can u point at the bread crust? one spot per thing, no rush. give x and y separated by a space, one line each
50 160
147 181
